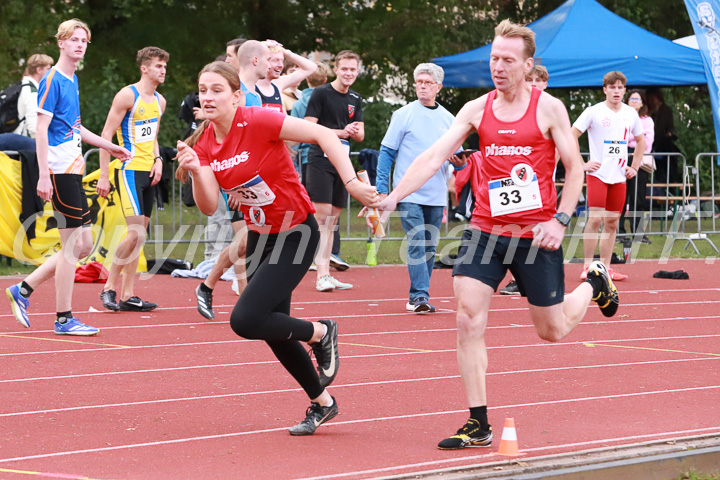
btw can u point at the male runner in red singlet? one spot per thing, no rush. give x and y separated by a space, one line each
515 224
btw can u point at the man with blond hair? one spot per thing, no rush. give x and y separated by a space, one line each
135 117
515 224
61 166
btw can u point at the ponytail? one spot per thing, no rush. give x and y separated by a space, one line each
180 173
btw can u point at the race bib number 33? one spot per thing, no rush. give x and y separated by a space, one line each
518 193
254 193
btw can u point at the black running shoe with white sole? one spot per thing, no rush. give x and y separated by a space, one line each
338 263
204 303
109 300
134 304
315 416
326 353
510 289
470 435
607 299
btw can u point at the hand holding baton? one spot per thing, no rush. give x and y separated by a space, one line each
372 213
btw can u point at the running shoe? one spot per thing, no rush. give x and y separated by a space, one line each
471 434
420 305
510 289
74 326
607 299
617 276
313 268
326 353
583 275
338 263
315 416
339 285
134 304
204 303
324 284
109 300
19 305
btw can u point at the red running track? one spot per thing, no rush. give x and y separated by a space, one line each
169 395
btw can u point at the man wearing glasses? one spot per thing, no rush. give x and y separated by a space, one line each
413 129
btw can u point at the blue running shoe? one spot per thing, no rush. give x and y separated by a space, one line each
75 327
19 305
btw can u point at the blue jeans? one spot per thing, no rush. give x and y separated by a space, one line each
422 227
13 141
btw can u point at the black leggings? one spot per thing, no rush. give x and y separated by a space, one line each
276 263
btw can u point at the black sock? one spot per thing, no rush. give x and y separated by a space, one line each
62 317
25 289
596 283
480 414
205 288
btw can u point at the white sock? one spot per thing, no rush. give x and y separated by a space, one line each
326 330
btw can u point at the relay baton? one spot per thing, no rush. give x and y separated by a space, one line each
373 215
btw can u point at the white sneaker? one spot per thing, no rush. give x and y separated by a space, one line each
324 284
340 285
235 287
313 268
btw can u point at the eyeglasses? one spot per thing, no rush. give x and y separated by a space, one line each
631 99
421 83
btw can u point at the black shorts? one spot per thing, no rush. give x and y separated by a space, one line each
136 193
236 216
539 273
325 186
69 200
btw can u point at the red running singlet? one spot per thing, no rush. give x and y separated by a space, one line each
508 148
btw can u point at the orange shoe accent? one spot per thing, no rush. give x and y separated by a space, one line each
508 442
616 276
583 275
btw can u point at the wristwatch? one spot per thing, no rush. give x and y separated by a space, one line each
563 218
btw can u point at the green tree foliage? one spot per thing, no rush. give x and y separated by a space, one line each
392 36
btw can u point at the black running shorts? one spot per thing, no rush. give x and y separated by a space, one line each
69 200
540 273
324 186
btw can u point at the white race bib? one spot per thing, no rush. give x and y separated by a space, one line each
255 193
517 193
615 150
77 140
146 130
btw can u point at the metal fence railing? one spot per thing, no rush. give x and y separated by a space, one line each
673 205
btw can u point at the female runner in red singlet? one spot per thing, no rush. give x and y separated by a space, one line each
241 150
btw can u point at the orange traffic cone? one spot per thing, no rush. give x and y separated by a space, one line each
509 442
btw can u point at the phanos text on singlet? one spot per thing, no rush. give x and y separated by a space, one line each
517 188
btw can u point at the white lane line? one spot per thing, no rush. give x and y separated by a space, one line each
353 357
359 421
220 342
348 385
450 461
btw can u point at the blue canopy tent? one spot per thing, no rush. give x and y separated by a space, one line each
581 41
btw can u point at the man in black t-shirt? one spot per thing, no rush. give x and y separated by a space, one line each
337 107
